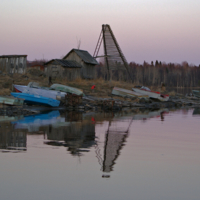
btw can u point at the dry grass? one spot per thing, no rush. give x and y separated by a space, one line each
5 91
172 93
102 88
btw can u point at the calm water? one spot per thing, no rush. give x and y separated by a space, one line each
128 155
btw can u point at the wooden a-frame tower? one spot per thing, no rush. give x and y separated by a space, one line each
114 58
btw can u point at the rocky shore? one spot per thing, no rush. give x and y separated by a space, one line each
113 104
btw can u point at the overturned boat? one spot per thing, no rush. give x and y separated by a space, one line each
67 89
36 99
127 93
34 89
11 101
196 93
151 94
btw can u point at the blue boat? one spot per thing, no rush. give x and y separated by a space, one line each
36 99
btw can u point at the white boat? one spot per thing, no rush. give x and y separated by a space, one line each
126 93
196 93
67 89
45 92
151 94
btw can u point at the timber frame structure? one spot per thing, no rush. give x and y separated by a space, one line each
113 56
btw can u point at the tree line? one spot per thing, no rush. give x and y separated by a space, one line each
172 75
149 74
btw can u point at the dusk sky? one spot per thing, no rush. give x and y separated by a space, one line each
164 30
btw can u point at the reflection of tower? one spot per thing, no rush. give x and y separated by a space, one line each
114 141
113 144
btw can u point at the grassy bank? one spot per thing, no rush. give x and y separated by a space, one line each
102 88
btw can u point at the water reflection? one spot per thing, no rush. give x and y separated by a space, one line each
117 134
34 122
139 155
12 140
76 132
77 136
196 111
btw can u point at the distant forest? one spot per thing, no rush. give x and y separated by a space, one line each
172 75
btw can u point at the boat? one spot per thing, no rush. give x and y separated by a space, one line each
67 89
127 93
152 94
45 92
11 101
196 93
36 99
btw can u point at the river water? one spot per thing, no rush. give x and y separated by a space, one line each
133 154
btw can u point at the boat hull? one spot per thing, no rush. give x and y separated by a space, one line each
11 101
39 91
126 93
151 94
196 93
36 99
67 89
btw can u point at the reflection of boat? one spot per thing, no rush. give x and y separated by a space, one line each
151 94
146 115
8 118
45 92
36 99
196 93
34 122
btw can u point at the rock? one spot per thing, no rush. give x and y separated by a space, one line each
143 101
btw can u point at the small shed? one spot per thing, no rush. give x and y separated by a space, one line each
86 60
67 69
13 64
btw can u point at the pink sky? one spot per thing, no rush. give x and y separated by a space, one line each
167 31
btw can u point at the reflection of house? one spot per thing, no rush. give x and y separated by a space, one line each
86 60
77 136
67 69
13 63
12 140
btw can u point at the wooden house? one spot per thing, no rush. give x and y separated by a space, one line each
67 69
13 64
86 60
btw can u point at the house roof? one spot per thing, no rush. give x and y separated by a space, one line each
84 55
11 56
64 63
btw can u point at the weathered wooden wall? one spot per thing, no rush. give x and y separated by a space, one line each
87 71
15 64
65 73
